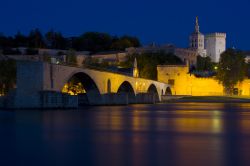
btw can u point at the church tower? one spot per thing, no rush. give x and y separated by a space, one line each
196 39
135 69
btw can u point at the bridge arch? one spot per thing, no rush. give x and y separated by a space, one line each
153 90
168 91
91 90
127 88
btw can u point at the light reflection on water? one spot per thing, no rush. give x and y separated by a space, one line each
164 134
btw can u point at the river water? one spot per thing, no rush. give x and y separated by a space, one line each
140 135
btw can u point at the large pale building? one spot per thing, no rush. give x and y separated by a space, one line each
215 44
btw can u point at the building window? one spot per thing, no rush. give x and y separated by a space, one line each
171 82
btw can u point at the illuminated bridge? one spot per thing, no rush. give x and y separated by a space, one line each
33 78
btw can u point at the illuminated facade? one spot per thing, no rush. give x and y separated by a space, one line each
183 83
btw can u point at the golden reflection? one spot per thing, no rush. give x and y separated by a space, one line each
140 122
199 122
116 122
110 120
245 122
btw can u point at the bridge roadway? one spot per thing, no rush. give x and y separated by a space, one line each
33 77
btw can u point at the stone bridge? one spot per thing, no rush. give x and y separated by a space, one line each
33 77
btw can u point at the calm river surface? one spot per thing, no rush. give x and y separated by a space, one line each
139 135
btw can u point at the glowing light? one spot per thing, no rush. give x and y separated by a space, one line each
73 89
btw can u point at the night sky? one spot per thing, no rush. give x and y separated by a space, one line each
159 21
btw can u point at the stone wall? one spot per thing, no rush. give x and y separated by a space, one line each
184 83
50 99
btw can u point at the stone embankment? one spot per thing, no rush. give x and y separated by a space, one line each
52 99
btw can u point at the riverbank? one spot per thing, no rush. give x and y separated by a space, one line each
211 99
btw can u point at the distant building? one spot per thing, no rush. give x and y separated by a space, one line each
185 54
215 44
196 40
247 56
212 45
111 57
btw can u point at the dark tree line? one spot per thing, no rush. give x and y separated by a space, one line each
89 41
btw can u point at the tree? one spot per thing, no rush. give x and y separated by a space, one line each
231 69
6 42
74 87
71 57
55 40
36 39
121 44
133 40
204 64
93 41
20 40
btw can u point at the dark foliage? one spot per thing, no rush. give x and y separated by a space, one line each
231 69
89 41
204 64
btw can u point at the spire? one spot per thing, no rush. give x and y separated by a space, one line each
197 28
135 69
135 63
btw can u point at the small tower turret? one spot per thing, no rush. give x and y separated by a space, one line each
135 69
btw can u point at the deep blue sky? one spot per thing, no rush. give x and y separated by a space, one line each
159 21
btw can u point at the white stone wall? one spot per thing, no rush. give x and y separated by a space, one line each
215 44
